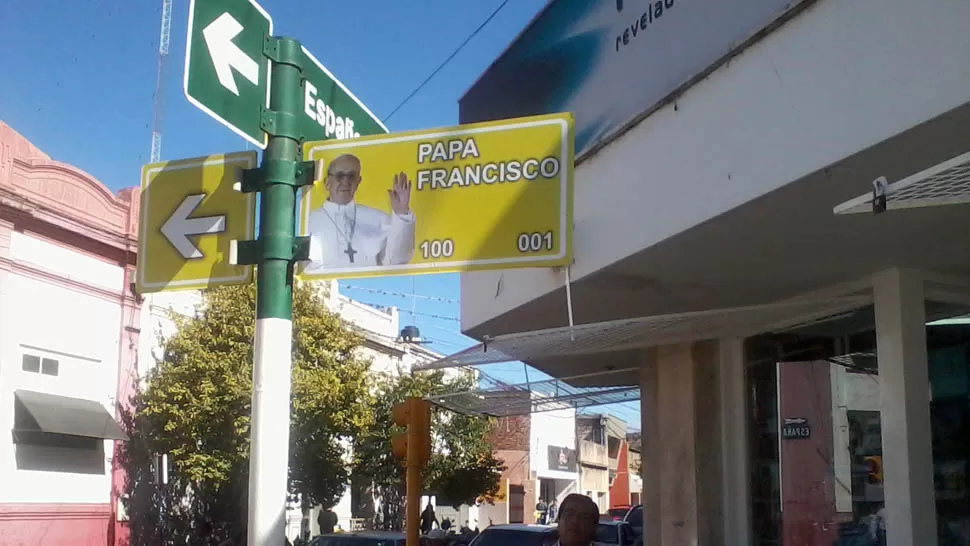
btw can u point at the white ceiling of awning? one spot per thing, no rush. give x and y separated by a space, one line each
646 332
946 183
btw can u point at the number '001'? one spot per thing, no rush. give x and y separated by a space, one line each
437 248
535 242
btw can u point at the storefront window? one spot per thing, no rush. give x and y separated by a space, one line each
816 435
949 371
816 474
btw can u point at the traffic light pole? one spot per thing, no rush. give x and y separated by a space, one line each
414 446
274 253
412 505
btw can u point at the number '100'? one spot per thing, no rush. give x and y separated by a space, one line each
437 248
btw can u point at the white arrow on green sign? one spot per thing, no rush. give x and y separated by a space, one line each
227 76
226 73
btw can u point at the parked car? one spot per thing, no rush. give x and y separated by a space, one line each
516 534
635 518
616 513
360 538
615 532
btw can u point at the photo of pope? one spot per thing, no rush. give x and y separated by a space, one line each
345 234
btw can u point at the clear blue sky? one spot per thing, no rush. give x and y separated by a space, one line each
79 81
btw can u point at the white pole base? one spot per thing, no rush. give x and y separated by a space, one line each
270 432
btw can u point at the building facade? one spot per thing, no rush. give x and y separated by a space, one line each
69 336
732 220
553 454
601 441
620 477
542 463
517 496
634 469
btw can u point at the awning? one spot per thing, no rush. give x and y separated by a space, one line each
643 332
497 399
947 183
54 414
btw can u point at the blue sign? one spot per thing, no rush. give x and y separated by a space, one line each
610 61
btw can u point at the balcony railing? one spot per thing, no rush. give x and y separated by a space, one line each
591 453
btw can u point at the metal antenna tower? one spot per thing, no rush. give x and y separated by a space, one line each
163 41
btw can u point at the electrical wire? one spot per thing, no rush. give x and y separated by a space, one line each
399 294
413 313
447 60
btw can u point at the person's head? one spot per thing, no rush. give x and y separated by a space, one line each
578 516
343 178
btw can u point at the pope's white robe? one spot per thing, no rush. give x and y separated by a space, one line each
377 238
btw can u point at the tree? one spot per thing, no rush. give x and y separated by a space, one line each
462 467
197 403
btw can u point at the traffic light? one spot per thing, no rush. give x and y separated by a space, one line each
414 446
874 469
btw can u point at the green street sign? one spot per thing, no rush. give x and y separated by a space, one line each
226 74
330 110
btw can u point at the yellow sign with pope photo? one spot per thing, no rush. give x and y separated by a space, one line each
490 195
190 214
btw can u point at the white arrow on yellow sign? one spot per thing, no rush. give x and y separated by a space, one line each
190 215
179 227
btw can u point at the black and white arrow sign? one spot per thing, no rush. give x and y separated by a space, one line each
226 55
179 227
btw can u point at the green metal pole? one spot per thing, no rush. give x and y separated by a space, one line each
274 276
278 178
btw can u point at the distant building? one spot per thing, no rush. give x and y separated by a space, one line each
69 336
379 330
600 438
635 467
539 452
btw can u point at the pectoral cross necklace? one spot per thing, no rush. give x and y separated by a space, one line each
350 252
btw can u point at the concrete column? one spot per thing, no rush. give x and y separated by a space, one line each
650 444
735 443
905 410
682 428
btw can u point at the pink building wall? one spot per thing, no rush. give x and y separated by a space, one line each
65 206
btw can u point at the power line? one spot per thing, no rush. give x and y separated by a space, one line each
418 313
446 61
399 294
429 315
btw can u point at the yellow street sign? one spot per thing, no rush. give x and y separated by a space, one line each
491 195
190 214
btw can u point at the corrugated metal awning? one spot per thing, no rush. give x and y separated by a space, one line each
947 183
642 332
54 414
497 399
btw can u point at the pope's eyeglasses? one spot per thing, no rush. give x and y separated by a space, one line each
344 176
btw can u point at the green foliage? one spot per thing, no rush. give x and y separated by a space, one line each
462 467
197 404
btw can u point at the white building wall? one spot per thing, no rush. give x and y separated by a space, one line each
819 89
551 428
79 330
